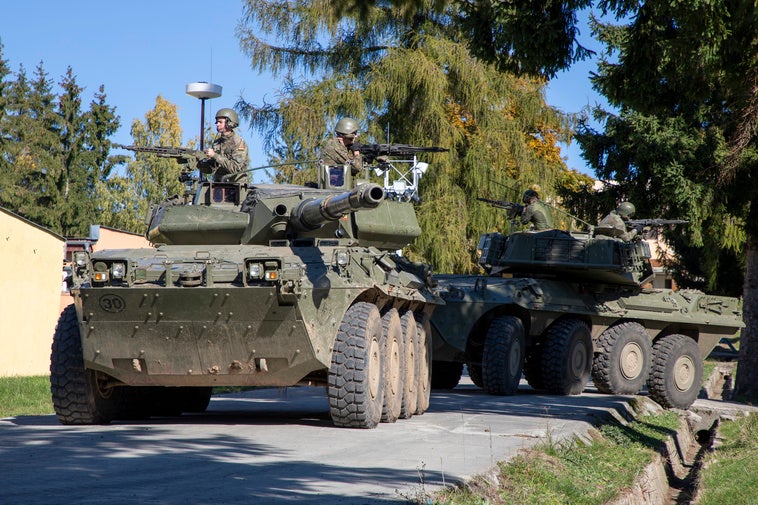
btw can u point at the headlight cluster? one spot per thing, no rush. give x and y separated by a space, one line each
265 270
104 272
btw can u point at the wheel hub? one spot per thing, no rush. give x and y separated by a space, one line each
375 371
684 373
631 361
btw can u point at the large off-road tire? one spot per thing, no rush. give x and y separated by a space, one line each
80 396
567 357
475 374
533 372
410 335
423 363
446 374
503 358
194 399
622 363
677 372
355 377
393 366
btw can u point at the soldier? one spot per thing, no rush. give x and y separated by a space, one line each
536 212
337 150
615 224
227 158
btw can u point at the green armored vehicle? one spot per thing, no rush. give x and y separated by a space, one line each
563 307
259 285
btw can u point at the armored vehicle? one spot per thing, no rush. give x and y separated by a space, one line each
252 285
563 307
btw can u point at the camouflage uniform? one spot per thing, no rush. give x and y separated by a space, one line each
335 153
539 214
615 222
231 158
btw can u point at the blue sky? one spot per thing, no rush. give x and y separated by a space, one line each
145 49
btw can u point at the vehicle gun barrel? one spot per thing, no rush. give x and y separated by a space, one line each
314 213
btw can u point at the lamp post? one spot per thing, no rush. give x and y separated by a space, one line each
203 90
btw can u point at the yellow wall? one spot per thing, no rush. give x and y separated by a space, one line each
30 283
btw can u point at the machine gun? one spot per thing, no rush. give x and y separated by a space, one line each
185 155
513 209
641 224
371 152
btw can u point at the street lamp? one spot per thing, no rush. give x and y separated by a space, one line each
203 90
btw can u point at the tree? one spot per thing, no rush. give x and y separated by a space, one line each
684 142
148 179
409 80
52 150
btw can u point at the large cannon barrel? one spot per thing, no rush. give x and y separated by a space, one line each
314 213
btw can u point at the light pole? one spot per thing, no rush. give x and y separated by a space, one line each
203 90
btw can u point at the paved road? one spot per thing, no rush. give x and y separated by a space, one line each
278 446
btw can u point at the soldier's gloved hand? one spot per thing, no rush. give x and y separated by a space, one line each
382 160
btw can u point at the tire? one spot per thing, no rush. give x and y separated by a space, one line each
677 372
533 367
423 363
355 383
503 358
194 399
410 395
446 374
80 396
393 366
622 364
567 357
475 374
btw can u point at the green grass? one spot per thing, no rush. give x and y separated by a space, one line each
577 472
25 396
729 474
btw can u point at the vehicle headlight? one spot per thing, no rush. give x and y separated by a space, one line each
80 258
342 258
255 270
118 270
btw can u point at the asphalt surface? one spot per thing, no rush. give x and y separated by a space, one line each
277 446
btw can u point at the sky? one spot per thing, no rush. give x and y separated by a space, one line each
146 49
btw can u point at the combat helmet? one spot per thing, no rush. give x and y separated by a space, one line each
625 209
528 195
346 126
232 119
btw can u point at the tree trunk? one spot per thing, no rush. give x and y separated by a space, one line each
746 382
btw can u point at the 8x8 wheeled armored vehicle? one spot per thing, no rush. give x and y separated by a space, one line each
260 285
566 307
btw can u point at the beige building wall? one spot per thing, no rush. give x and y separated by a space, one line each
30 283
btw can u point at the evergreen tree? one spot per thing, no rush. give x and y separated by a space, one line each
148 179
415 81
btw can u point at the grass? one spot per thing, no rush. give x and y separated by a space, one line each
576 472
25 396
729 474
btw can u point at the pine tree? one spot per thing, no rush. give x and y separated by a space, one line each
414 81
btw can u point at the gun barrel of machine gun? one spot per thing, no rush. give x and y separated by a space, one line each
641 224
370 152
502 204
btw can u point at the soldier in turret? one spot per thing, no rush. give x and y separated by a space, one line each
536 212
338 152
616 223
227 158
